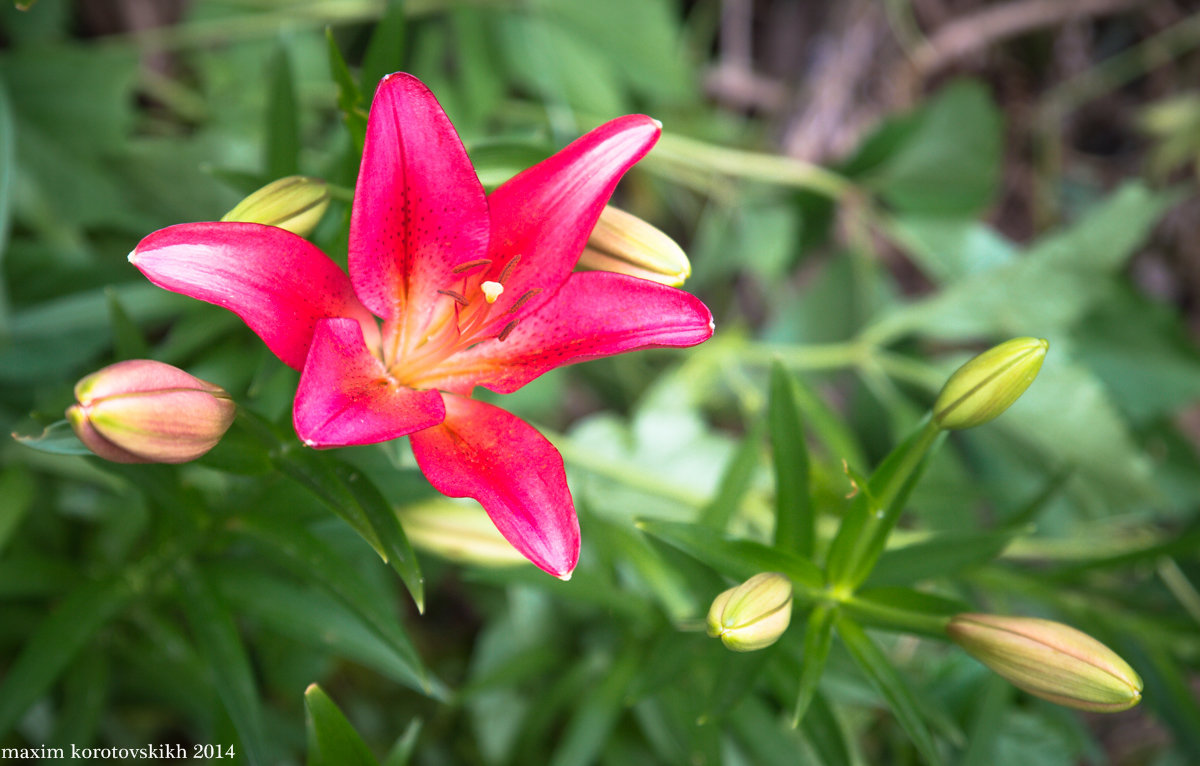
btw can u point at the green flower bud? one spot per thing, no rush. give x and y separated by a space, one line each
459 532
295 203
142 411
752 615
626 244
1049 660
988 384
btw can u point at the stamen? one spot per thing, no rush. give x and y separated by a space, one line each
508 328
523 300
458 297
491 291
460 268
508 267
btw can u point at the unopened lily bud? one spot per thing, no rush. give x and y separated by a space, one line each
459 532
626 244
1049 660
988 384
752 615
295 203
142 411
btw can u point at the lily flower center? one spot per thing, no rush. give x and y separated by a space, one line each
466 320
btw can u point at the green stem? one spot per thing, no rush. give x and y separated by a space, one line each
894 619
754 166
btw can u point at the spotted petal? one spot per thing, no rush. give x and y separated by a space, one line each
483 452
595 314
419 209
346 396
278 283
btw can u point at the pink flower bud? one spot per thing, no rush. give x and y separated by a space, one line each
142 411
1049 660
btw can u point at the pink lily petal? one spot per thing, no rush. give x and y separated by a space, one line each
346 396
596 313
278 283
483 452
546 213
419 209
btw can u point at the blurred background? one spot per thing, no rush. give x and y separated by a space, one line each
869 191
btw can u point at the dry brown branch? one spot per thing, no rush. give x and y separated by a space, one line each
993 24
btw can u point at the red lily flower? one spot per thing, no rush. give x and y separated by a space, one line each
472 289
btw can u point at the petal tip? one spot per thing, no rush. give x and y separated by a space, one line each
657 123
132 257
565 577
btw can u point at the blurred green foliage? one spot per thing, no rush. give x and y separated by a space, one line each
196 604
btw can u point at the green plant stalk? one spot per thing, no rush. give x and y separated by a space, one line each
754 166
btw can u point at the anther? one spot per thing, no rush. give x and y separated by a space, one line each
458 297
523 300
508 328
491 291
460 268
508 267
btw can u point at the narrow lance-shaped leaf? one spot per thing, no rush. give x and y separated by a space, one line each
385 49
332 740
349 97
590 728
360 505
55 642
887 680
128 341
864 532
310 558
218 641
735 481
282 119
740 559
818 637
794 522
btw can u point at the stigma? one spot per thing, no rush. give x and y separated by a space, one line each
491 290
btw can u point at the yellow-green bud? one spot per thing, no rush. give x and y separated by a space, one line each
752 615
295 203
1049 660
142 411
626 244
459 532
988 384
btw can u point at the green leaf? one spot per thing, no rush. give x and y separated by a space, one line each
350 494
218 642
313 616
818 638
8 141
55 642
942 555
1050 288
794 520
402 752
128 341
735 480
739 559
283 118
950 163
16 487
864 531
333 741
592 723
349 97
311 559
385 49
58 438
888 681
